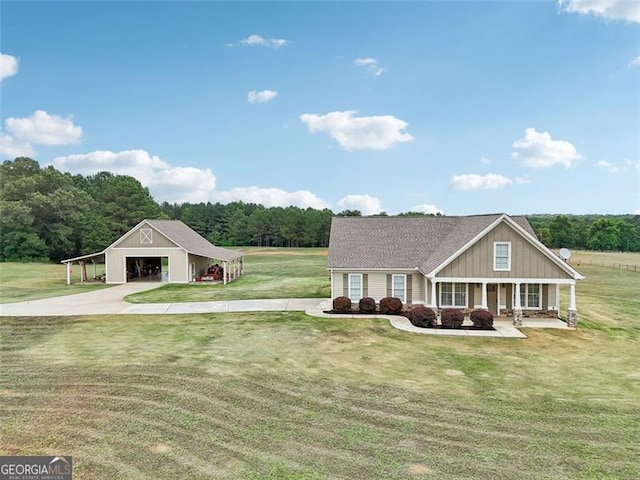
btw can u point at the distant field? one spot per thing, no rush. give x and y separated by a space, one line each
30 281
286 396
616 260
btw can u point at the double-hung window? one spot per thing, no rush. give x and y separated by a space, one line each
530 295
502 256
453 294
399 287
355 287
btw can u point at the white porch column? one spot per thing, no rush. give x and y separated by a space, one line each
558 298
572 314
517 308
433 300
68 273
484 296
224 273
572 296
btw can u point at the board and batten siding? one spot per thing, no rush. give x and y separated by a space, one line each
526 260
375 285
116 264
134 239
202 264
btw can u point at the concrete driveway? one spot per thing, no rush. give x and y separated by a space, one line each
111 301
103 301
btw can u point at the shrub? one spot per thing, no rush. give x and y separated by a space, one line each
482 318
367 305
451 318
342 304
390 306
422 316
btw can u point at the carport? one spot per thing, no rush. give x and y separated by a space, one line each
94 258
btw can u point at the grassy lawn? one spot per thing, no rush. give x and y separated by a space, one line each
30 281
269 273
285 396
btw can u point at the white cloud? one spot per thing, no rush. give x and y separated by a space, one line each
370 65
8 66
166 183
44 129
607 166
258 41
524 180
473 181
627 10
271 197
11 148
367 204
626 166
262 96
635 62
353 133
485 161
538 150
428 209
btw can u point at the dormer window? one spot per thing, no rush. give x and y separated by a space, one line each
502 256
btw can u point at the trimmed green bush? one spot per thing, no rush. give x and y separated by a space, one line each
482 318
367 305
451 318
391 306
342 305
422 316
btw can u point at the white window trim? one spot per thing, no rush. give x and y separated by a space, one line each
453 295
495 248
524 290
349 285
404 286
146 236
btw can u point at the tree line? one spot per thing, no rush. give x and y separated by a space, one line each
49 215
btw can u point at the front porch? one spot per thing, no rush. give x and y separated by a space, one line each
515 299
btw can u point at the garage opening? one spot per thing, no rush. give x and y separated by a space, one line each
147 269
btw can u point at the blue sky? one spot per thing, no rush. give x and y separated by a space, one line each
456 107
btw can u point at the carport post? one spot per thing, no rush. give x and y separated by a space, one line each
224 273
68 273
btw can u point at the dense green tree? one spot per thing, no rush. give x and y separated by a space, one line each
123 202
22 246
604 235
349 213
562 233
628 236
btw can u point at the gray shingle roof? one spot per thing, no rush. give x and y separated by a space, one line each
403 242
192 241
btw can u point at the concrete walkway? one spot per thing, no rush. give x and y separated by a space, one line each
111 301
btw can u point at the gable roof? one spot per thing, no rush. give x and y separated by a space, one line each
188 239
426 244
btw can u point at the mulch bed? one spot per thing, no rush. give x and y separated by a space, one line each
436 327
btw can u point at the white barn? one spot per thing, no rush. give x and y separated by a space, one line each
162 251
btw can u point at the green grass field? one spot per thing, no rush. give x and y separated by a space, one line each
270 273
286 396
20 282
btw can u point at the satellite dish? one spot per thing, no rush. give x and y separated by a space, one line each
565 253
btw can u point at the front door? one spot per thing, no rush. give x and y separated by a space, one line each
492 298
